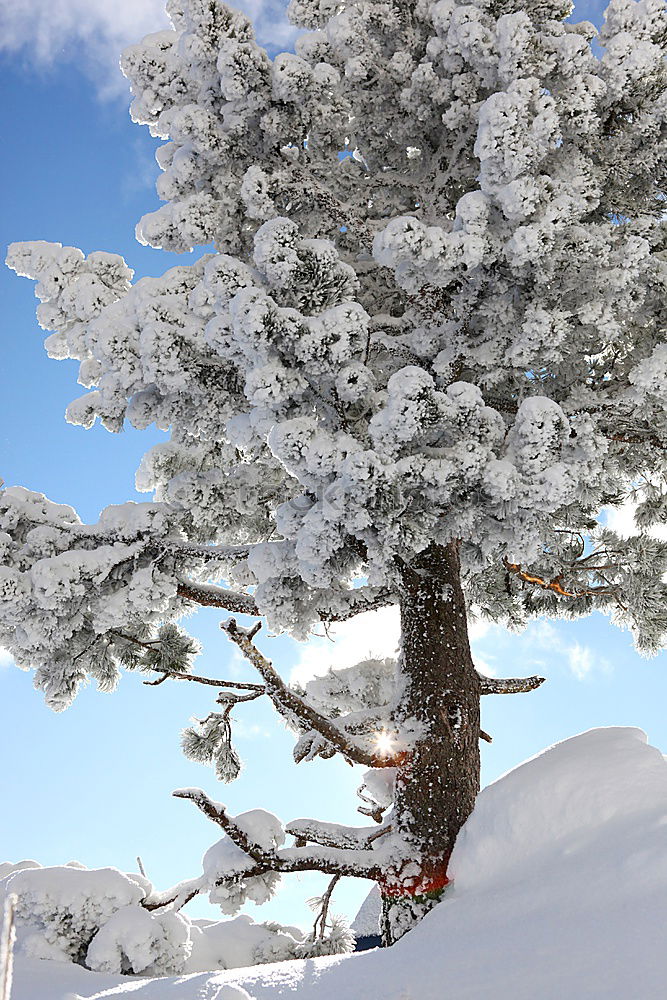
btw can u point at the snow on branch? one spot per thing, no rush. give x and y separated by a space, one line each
210 596
335 834
360 600
256 860
219 815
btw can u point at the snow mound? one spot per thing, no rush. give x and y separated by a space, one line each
560 889
564 801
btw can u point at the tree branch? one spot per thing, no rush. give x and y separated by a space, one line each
178 896
654 442
319 927
509 685
209 596
364 864
359 601
555 585
182 676
354 838
219 815
210 681
296 709
214 552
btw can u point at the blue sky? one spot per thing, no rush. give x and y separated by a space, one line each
94 783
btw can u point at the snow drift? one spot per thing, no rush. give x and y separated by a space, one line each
560 889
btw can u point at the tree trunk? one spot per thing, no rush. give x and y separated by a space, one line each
437 784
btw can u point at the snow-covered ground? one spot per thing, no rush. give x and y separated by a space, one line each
560 890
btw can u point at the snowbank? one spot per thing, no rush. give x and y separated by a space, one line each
560 889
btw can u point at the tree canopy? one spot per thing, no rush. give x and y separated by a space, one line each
429 319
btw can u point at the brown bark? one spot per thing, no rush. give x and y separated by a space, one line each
438 781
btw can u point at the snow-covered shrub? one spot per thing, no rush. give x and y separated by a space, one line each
61 909
95 918
233 944
134 940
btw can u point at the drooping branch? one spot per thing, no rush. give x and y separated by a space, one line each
295 708
320 924
509 685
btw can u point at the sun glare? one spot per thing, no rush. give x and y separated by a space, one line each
384 741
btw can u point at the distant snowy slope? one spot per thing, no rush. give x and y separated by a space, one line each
560 890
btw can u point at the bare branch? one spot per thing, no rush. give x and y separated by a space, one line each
509 685
556 585
160 680
210 681
485 736
290 705
319 927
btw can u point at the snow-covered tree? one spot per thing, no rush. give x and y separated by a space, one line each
423 352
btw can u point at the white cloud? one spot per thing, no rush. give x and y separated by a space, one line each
580 660
622 520
6 659
249 731
541 647
375 633
93 33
